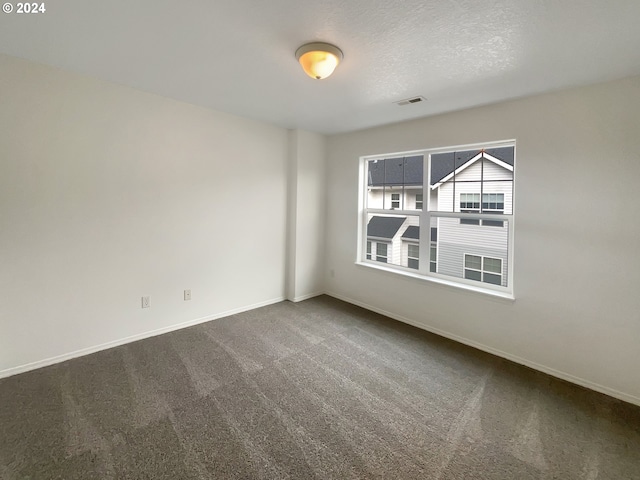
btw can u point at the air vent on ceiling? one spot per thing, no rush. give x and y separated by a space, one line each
409 101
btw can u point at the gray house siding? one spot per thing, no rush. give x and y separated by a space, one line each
455 239
451 258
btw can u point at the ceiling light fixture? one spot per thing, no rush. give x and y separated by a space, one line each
319 59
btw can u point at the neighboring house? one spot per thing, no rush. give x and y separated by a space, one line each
389 240
479 181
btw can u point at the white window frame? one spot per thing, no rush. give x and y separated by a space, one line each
410 257
481 271
394 200
425 215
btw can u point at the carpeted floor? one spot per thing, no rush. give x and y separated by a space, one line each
319 389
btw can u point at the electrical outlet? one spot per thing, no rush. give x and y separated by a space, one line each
145 302
187 295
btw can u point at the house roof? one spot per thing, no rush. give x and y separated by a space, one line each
384 227
412 232
396 171
392 171
443 164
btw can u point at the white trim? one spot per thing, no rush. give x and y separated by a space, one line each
306 297
133 338
459 283
445 149
499 353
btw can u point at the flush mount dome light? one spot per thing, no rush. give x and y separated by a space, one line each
318 59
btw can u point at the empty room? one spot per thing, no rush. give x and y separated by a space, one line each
320 240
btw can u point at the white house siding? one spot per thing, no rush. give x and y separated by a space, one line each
376 195
400 250
455 239
468 181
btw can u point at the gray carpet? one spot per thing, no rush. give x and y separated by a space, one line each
319 389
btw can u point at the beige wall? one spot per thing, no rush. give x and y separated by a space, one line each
108 194
577 231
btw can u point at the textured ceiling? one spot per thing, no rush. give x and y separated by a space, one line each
238 55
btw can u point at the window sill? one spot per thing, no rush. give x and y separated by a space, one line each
439 281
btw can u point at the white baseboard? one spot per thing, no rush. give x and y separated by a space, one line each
306 297
514 358
134 338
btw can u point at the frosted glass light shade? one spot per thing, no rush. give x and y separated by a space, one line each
319 60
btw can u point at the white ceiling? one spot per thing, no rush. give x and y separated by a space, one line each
238 55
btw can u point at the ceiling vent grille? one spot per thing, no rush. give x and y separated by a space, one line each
410 101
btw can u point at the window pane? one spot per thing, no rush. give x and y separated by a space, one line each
492 265
394 182
472 261
472 172
433 253
472 275
491 278
432 266
413 263
492 223
381 252
469 221
399 234
462 247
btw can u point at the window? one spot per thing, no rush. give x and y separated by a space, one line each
377 251
433 255
381 252
483 269
469 202
413 254
463 206
493 202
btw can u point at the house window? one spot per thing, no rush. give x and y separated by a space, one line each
454 188
377 251
381 252
433 256
413 254
469 202
483 269
493 202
